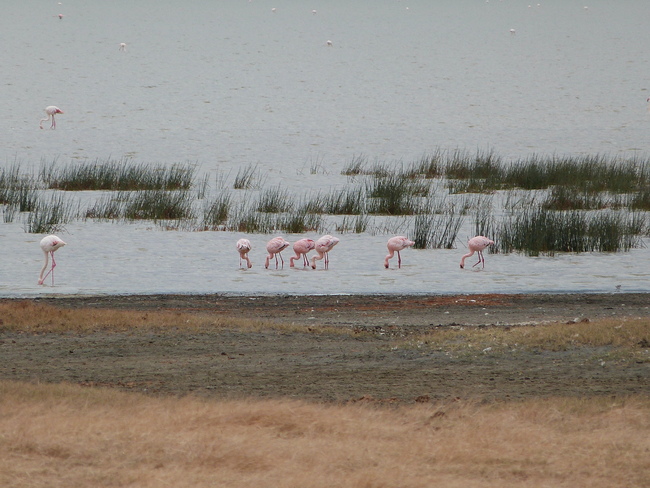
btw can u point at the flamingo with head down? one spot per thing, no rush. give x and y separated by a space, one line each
302 248
49 244
243 247
323 247
275 247
51 111
476 245
395 245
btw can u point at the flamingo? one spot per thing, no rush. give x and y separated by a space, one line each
122 46
275 247
323 246
476 244
395 245
51 111
243 246
301 248
49 244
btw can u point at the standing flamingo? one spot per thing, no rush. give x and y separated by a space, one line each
275 247
476 244
243 246
323 246
51 111
49 244
395 245
301 248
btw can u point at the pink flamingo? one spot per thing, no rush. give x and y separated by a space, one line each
301 248
243 246
476 244
275 247
323 246
51 111
49 244
395 245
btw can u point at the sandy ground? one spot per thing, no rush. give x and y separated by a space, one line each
319 366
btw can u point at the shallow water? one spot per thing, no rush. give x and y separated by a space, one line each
227 84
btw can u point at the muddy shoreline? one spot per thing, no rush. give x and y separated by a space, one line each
322 366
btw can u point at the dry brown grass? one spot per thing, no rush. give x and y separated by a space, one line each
67 436
27 316
625 334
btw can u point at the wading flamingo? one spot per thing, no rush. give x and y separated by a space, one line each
476 245
301 248
243 246
49 244
323 247
51 111
275 247
395 245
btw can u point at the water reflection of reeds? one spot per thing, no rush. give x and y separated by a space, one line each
537 205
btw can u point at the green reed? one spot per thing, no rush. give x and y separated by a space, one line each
247 178
428 166
357 224
117 175
540 231
298 222
274 200
437 231
347 201
572 198
395 194
51 214
215 215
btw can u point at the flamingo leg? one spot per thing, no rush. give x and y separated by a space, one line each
51 270
305 260
399 260
480 259
281 259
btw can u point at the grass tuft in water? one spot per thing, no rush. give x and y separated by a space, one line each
117 175
247 178
215 216
51 215
540 231
274 200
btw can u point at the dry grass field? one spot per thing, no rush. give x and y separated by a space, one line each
581 418
63 436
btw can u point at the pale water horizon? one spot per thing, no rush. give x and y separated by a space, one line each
224 85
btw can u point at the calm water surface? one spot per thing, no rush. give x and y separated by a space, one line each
232 83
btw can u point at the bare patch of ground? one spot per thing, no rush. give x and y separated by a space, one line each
321 365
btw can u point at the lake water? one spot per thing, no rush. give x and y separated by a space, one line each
225 84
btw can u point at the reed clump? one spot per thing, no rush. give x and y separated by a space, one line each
51 214
539 231
117 175
247 178
215 215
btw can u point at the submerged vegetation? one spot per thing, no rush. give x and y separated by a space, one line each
537 205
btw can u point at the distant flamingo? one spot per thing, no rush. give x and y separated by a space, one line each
51 111
275 247
476 245
301 248
122 46
323 246
395 245
49 244
243 246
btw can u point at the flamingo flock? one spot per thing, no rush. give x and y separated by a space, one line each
51 243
